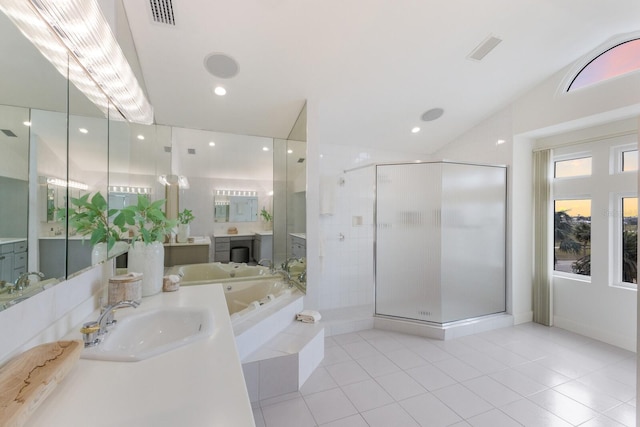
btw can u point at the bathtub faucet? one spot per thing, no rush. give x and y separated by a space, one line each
285 275
287 264
268 262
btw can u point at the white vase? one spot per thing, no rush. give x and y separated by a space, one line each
147 259
183 233
98 253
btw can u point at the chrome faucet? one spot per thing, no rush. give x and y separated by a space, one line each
92 332
23 280
269 263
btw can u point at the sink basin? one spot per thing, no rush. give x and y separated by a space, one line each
143 335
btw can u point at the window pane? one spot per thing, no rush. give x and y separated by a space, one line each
573 167
621 59
630 239
572 236
630 160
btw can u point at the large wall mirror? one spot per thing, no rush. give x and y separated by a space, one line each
58 146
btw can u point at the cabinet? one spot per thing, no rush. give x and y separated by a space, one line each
263 247
13 260
298 245
222 249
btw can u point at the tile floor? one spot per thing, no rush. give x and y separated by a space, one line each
527 375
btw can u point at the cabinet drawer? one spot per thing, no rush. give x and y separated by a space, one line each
223 246
20 247
223 256
6 249
20 260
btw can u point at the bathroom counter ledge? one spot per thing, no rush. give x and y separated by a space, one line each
200 384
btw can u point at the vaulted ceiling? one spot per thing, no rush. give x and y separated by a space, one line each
369 69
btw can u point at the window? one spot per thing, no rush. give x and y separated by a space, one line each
629 160
620 59
572 167
629 240
572 236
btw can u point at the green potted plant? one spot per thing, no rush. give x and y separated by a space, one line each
184 218
267 218
89 215
146 255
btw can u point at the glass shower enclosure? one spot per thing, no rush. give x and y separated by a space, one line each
440 241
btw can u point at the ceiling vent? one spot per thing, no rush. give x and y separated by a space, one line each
191 150
167 149
484 48
301 160
162 11
9 133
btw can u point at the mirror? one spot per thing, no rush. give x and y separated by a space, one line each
235 208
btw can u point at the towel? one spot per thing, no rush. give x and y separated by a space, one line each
308 316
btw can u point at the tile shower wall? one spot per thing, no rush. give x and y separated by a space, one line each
346 227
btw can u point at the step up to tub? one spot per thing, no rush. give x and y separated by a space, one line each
284 363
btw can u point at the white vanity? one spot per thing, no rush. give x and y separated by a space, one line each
198 384
13 258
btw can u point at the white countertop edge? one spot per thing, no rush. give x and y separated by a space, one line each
198 384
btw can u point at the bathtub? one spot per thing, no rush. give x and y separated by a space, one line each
216 272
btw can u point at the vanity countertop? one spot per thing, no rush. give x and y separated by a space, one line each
244 234
265 233
6 240
199 240
300 235
194 385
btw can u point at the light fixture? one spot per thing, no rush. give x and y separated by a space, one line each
246 193
27 123
212 144
289 151
140 137
77 29
270 193
415 130
64 183
83 130
129 190
265 148
500 142
220 91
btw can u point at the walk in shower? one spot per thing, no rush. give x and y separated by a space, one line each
440 241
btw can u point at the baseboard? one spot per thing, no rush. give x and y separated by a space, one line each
525 317
625 341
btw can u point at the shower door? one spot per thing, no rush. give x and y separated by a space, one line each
440 241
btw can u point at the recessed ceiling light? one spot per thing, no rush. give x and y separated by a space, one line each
83 130
270 193
212 144
220 91
500 141
415 130
26 123
432 114
265 148
289 151
141 137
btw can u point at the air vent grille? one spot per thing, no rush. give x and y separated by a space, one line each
191 150
162 11
484 48
9 133
301 160
167 149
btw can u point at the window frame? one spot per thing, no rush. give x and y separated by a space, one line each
615 259
564 274
568 157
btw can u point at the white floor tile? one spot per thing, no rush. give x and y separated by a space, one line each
405 358
564 407
602 421
492 391
430 377
329 405
377 365
386 344
367 395
588 396
493 418
392 415
333 355
541 374
360 349
482 362
427 410
320 380
400 385
347 373
457 369
624 414
518 382
529 414
462 400
605 384
291 413
351 421
343 339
